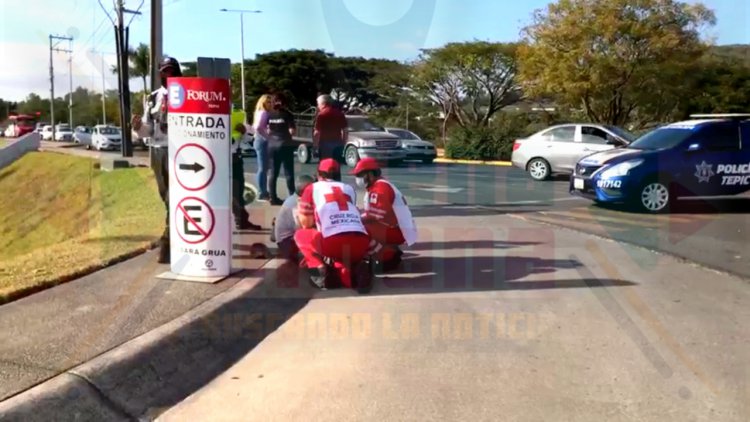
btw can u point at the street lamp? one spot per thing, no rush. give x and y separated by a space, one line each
242 46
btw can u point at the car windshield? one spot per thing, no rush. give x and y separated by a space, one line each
404 134
109 131
363 125
63 128
663 138
622 133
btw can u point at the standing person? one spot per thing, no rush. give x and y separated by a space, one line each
329 134
332 229
154 125
386 216
241 217
260 144
281 148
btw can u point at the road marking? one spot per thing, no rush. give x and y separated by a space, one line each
442 190
573 225
643 310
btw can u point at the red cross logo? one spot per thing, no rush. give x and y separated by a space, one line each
338 196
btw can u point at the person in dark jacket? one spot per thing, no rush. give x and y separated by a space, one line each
281 147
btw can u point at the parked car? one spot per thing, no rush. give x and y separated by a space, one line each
416 148
706 156
63 133
366 139
82 135
557 149
40 126
47 133
106 137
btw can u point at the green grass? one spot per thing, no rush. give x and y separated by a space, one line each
63 218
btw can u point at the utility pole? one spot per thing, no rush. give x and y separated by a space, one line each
104 93
242 47
53 47
121 36
70 98
156 43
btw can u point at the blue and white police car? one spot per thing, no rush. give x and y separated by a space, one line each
706 156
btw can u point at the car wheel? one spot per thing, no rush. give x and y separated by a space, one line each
655 197
303 154
539 169
88 147
351 156
428 160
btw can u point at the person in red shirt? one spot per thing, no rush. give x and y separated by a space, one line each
332 230
386 216
329 133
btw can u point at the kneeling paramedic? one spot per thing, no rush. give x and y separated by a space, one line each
386 216
332 229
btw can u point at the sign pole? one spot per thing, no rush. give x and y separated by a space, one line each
199 179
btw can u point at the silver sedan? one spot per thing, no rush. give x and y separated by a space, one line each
557 149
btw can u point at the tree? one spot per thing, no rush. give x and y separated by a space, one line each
720 84
139 64
470 81
615 59
140 60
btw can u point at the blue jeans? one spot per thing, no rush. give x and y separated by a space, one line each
261 150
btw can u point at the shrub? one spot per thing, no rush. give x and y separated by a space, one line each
492 142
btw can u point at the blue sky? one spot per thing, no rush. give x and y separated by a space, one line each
394 29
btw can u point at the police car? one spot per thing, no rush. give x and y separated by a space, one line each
706 156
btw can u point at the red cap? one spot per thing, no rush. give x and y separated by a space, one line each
365 164
329 165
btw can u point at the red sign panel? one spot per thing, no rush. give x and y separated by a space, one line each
198 95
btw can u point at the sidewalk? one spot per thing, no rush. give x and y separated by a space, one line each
140 158
575 328
48 333
441 159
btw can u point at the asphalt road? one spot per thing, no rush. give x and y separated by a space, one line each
495 318
711 233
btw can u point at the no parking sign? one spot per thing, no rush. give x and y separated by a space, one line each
199 177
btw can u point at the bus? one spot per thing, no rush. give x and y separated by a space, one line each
19 125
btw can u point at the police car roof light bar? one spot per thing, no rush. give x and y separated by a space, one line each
740 116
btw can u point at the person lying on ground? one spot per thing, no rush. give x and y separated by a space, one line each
286 222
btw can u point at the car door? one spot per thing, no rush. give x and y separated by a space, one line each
713 161
563 148
595 139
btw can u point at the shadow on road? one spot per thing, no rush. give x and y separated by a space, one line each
739 205
167 372
473 210
473 244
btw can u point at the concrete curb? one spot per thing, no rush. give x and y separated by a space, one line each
484 163
141 378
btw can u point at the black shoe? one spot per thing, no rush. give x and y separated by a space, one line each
362 277
318 277
264 197
247 225
164 254
276 202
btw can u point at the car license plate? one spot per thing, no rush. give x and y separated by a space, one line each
578 184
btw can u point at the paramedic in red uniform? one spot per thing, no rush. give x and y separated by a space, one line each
386 216
331 227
